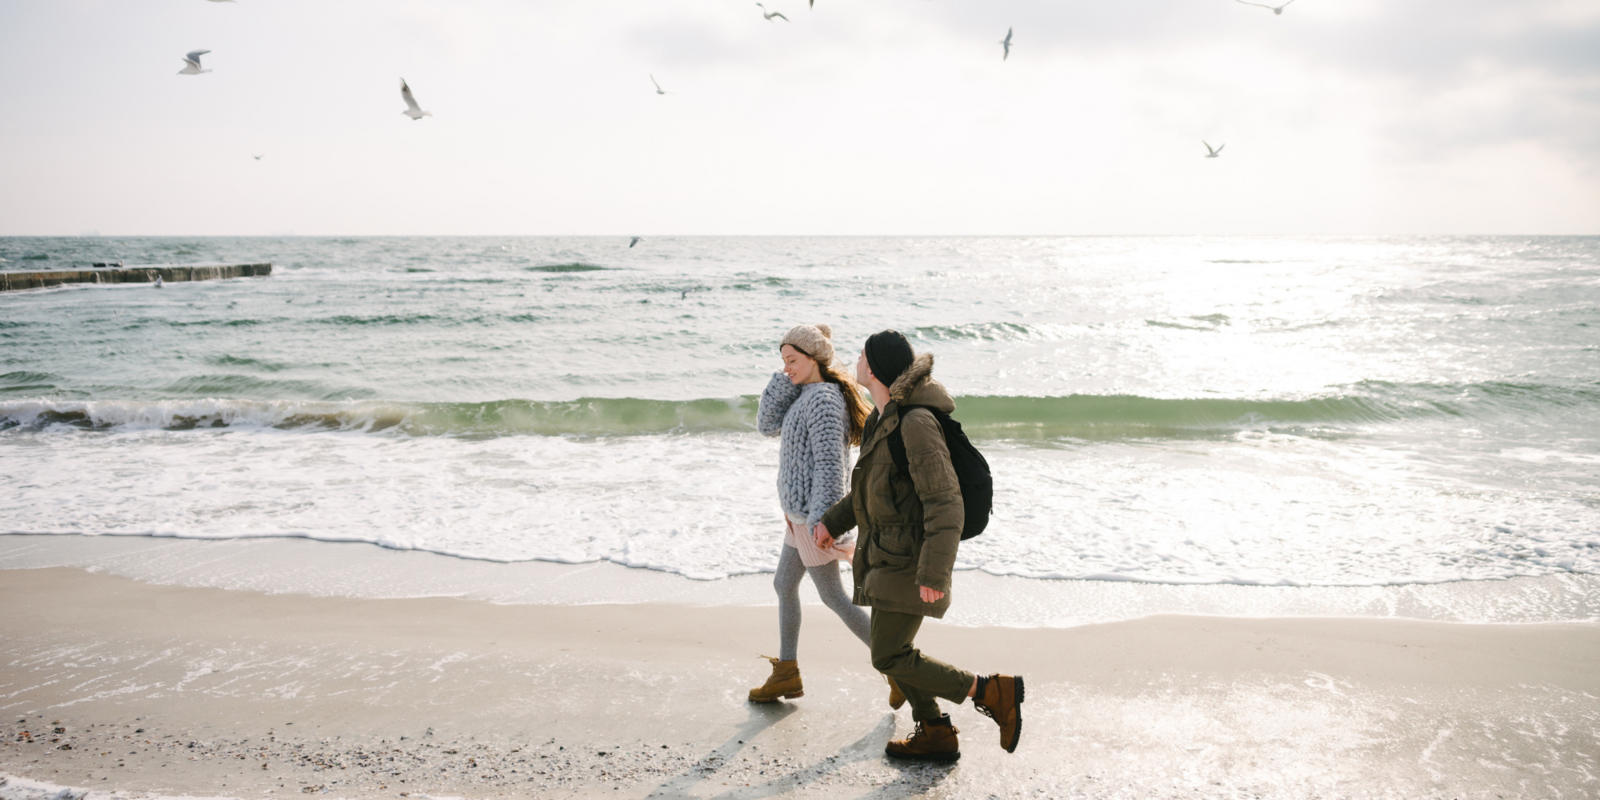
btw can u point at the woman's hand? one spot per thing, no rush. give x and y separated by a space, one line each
821 536
930 595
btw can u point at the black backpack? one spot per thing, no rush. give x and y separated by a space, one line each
972 470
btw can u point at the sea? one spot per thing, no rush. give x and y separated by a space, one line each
1276 415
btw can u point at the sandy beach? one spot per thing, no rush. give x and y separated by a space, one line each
113 685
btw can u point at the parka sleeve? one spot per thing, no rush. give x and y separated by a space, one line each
775 401
841 518
829 449
943 514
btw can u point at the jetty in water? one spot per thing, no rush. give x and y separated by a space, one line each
12 281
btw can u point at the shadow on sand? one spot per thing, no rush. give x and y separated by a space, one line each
868 748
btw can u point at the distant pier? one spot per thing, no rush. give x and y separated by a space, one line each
12 281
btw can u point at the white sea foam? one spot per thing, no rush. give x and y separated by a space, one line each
1293 512
13 787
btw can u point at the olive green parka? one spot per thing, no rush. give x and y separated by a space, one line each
910 524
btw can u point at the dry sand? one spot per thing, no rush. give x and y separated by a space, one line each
130 687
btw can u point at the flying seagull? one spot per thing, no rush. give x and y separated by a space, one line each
659 90
191 63
1006 42
635 241
1275 9
258 158
1213 152
768 15
413 110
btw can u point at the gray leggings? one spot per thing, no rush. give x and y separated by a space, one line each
826 579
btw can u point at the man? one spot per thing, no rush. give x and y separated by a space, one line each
910 527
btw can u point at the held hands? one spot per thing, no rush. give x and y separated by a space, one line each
823 539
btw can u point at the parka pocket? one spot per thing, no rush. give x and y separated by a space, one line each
892 547
878 557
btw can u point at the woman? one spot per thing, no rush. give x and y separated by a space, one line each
819 411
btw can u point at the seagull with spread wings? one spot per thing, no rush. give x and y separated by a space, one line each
1006 43
1275 9
768 15
191 63
413 110
659 90
1213 152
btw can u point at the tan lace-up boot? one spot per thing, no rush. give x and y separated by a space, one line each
999 697
933 740
784 682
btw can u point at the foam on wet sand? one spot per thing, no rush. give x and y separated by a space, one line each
127 687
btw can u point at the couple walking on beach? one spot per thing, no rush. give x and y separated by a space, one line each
905 498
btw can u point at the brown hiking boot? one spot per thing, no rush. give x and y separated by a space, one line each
999 697
933 740
784 682
896 698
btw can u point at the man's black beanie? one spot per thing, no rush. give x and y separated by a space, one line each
888 355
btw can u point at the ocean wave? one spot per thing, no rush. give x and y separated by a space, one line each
589 416
982 331
990 417
572 267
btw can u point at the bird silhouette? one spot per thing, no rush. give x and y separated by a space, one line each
659 90
1275 9
191 63
1213 152
413 110
1006 42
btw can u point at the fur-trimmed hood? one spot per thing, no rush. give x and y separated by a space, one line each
917 387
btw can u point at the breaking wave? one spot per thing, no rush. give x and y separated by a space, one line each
994 417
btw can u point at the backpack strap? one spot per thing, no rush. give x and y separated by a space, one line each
897 443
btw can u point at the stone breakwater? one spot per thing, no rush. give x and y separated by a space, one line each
12 281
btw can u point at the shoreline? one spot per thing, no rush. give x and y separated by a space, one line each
206 692
310 567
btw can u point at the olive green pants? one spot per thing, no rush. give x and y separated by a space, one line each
921 679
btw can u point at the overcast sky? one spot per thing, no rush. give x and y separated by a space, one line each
856 117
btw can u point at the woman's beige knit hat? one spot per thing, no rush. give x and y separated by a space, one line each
813 340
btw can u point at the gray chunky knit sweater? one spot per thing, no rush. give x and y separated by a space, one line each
814 457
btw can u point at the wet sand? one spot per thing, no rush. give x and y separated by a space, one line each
114 685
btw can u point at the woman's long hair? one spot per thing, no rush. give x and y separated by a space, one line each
855 404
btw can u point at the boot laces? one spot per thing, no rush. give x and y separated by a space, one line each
921 733
977 702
